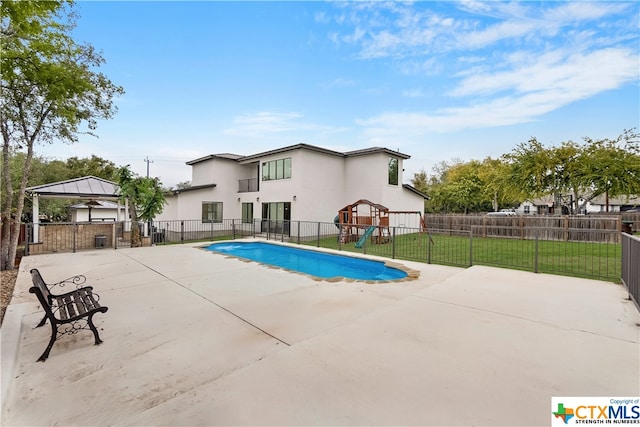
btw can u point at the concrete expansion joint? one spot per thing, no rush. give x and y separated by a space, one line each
209 301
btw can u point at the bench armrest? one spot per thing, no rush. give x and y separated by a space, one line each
76 281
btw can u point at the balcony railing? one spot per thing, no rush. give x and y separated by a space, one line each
247 185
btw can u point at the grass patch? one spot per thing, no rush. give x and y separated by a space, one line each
578 259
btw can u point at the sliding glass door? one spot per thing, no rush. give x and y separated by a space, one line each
276 217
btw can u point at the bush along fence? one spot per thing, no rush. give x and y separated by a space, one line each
589 253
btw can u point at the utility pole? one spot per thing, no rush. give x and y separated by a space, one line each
147 160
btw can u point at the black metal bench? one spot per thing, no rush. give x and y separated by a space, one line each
68 312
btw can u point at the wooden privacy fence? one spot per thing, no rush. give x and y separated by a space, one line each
579 228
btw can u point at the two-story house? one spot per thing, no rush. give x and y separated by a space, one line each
296 183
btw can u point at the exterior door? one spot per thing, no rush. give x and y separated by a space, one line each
276 217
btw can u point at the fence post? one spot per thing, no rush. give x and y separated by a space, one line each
182 231
535 254
393 244
298 232
73 237
471 247
233 229
428 248
318 245
27 233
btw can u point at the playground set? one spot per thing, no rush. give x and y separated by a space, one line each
364 219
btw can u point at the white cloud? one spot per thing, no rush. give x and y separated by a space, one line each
507 62
413 93
321 17
267 125
340 82
264 122
539 90
556 71
400 30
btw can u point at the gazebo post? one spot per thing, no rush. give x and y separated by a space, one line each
36 218
127 220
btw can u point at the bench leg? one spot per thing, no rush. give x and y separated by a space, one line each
42 322
93 329
54 333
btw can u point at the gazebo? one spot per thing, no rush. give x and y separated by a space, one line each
89 187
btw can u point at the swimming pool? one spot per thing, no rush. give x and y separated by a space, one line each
315 263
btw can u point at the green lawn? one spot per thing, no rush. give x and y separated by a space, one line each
580 259
601 261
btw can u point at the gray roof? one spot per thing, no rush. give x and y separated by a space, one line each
223 156
254 157
617 200
88 187
415 190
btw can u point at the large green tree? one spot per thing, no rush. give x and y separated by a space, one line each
494 175
612 167
579 171
51 92
144 196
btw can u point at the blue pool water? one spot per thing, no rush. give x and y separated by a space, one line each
310 262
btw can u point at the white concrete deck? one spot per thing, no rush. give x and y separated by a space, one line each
195 338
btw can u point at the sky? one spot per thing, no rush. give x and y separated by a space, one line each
438 81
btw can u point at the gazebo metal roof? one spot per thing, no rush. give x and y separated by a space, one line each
88 187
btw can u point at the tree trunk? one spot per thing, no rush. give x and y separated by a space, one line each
136 241
7 190
12 230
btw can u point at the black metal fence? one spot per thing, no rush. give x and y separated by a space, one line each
593 254
631 266
575 252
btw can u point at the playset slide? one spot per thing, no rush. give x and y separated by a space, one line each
365 236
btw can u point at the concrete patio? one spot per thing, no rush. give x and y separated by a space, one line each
195 338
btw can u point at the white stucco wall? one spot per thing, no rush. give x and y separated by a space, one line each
97 215
170 210
365 177
322 183
318 185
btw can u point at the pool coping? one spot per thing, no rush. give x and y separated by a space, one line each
411 273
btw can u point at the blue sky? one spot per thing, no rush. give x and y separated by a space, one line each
436 80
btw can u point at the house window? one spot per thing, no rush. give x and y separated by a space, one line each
276 169
393 171
247 213
527 209
211 211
